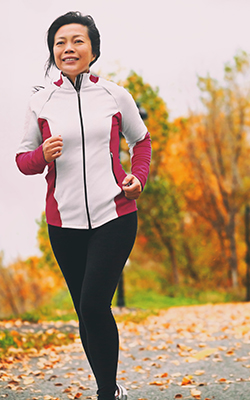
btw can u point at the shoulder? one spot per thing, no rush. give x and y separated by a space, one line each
120 94
40 95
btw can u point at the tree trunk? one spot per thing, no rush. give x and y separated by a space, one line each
120 292
232 259
247 238
189 258
167 241
171 250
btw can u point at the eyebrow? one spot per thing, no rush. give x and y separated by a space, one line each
63 37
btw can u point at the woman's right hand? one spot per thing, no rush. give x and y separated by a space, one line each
52 148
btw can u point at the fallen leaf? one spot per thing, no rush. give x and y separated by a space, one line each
78 395
28 381
83 388
156 383
14 382
183 347
187 380
199 372
139 369
196 393
201 355
68 390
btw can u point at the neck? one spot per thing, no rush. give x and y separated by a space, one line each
73 78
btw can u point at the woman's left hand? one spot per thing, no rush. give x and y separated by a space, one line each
131 187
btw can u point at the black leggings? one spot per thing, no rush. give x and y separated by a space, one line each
91 262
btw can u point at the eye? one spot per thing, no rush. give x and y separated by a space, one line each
59 42
79 41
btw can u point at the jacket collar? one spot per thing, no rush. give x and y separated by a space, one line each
82 80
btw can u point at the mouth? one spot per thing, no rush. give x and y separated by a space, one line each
70 59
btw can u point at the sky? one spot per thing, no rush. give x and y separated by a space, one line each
169 43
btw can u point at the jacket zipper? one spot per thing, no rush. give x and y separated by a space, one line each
77 87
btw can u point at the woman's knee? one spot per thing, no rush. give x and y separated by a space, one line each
91 311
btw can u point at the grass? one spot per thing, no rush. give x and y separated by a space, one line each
181 296
154 301
139 303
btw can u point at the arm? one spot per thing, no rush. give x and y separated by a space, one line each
141 159
33 155
30 159
31 162
134 183
139 142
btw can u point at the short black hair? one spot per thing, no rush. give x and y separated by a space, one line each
73 17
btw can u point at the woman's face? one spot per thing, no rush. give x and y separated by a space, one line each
72 50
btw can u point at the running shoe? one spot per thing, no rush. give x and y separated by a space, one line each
121 393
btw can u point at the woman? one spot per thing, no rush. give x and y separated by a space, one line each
73 128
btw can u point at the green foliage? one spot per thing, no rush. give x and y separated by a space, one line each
6 340
157 121
160 211
47 257
241 65
155 301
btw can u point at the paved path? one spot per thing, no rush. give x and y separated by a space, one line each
198 352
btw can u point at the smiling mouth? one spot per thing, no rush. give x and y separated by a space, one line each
70 59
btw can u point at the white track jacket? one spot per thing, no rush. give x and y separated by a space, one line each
85 182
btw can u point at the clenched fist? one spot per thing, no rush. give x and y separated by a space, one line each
52 148
131 187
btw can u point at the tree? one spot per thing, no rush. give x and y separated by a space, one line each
214 153
160 211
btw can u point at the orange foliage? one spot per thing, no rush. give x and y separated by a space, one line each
24 286
199 181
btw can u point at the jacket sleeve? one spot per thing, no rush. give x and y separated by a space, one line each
29 157
141 159
137 137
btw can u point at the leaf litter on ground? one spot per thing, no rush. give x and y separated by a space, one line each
159 352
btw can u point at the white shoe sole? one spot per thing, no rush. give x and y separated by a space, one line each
122 393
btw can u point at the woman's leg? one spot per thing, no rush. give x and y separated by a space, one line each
70 247
108 250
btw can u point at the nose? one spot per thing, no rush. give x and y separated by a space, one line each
69 48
